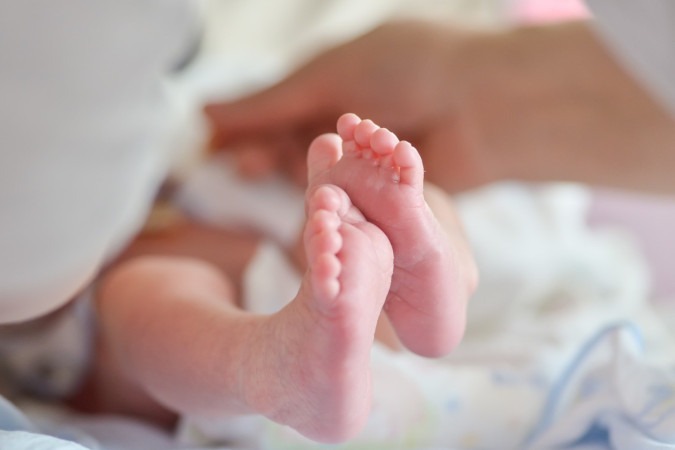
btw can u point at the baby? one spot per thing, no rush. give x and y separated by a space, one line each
173 339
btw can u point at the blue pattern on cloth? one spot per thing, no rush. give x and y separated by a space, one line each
609 397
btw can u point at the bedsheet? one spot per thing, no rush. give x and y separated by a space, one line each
559 303
563 348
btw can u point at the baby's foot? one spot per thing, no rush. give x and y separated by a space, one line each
317 349
384 178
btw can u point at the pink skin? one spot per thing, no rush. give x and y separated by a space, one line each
384 177
172 330
350 266
175 333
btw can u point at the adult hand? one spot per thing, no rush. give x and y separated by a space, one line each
541 103
406 76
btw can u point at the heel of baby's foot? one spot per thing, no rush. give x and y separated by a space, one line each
426 335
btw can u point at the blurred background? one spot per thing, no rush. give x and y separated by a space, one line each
250 43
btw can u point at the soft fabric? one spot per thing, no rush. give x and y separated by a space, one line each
563 350
49 358
17 432
610 396
83 119
271 206
554 296
22 440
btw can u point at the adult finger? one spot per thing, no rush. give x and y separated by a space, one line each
295 101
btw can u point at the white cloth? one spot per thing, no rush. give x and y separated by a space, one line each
540 325
610 397
642 34
23 440
215 194
548 285
20 433
82 119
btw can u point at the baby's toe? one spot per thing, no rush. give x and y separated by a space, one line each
409 162
364 131
346 125
383 141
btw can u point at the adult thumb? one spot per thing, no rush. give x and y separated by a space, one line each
294 101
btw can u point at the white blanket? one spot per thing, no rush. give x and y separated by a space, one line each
553 295
563 349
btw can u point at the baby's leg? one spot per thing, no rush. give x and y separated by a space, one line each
171 324
434 273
